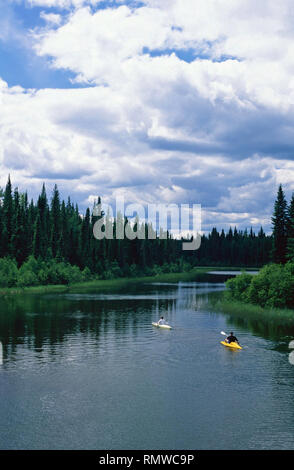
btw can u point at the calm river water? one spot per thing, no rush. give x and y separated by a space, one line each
88 371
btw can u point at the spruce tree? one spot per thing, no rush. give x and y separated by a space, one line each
86 235
7 221
37 244
290 231
43 224
55 223
63 239
279 223
18 237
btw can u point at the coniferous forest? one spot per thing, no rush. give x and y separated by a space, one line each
49 241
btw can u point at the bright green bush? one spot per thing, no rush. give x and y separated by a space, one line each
237 287
31 265
272 287
27 278
36 272
8 272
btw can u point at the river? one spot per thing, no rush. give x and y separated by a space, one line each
89 371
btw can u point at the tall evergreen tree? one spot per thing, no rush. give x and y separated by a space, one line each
86 236
19 234
37 243
41 239
7 221
26 245
279 223
55 219
290 231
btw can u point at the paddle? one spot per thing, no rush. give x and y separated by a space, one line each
223 333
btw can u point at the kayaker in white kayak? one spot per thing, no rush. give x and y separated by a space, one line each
161 321
231 338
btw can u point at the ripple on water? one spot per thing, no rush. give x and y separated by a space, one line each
90 371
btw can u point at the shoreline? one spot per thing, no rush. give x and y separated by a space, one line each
100 284
240 310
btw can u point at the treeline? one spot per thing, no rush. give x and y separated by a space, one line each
53 231
236 248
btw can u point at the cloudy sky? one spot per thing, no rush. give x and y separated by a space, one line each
171 101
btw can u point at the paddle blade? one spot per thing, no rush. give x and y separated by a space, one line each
223 333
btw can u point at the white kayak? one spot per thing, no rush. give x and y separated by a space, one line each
167 327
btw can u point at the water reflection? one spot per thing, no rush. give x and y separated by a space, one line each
271 330
40 323
88 371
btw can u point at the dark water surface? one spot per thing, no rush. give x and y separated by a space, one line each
88 371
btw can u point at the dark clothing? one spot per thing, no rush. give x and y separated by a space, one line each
232 339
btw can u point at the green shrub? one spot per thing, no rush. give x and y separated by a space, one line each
8 272
238 286
27 278
272 287
37 272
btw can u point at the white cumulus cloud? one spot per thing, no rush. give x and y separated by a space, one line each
180 101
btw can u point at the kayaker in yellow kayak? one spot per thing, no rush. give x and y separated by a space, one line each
161 321
231 338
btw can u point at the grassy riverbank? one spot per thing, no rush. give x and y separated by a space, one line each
280 317
101 284
117 283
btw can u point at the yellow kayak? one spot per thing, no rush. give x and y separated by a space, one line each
232 345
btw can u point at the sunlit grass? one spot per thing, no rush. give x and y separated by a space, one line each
249 311
33 289
101 284
121 282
